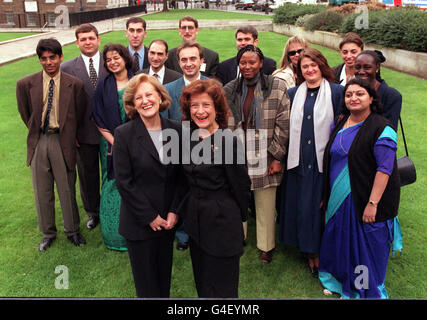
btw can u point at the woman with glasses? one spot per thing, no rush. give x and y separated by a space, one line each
287 71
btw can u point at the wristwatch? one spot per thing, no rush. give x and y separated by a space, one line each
373 203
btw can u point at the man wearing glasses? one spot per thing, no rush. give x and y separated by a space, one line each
228 70
188 30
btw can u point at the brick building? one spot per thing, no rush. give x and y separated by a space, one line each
43 13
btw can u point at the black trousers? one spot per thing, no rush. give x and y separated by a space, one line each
151 262
89 179
215 277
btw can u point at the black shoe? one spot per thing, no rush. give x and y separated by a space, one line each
77 239
181 246
46 242
92 222
314 271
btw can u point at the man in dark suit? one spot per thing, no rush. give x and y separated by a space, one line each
136 33
188 30
88 67
228 70
51 104
157 56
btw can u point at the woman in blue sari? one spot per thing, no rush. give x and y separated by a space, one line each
108 114
361 197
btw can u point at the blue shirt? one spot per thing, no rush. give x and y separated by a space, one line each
141 53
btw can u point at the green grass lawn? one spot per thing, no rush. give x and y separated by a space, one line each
13 35
95 271
202 14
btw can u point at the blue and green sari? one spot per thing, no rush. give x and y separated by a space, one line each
353 254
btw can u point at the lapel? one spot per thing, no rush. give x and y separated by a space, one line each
64 98
144 138
36 94
81 72
102 73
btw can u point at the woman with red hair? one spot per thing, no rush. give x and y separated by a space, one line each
219 191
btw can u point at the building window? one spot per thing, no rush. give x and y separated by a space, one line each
50 1
70 0
31 20
88 1
9 18
7 0
51 16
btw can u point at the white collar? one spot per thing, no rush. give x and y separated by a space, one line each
187 82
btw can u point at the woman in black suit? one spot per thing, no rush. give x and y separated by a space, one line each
219 191
148 187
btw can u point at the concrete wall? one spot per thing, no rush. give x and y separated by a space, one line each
414 63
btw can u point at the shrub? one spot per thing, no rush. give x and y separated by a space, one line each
404 28
288 13
324 21
303 19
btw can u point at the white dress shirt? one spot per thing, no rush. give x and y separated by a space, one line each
95 60
161 74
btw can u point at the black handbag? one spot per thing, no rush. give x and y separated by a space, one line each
405 165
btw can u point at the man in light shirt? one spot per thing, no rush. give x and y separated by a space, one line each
157 55
136 33
88 67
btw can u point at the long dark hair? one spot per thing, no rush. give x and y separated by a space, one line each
121 50
376 106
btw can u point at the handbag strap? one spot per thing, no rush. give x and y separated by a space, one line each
403 135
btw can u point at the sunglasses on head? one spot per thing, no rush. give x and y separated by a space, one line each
294 52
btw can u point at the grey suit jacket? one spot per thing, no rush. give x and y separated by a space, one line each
87 133
170 75
211 60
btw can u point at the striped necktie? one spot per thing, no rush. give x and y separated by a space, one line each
136 62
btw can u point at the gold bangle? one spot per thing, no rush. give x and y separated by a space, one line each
373 203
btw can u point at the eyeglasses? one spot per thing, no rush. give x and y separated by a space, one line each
294 52
190 28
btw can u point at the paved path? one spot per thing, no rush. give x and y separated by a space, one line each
25 47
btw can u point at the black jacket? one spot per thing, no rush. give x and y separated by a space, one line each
148 187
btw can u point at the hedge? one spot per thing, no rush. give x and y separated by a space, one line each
288 13
403 28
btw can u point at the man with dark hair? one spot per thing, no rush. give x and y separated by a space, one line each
228 70
88 67
190 56
157 56
188 30
51 104
136 33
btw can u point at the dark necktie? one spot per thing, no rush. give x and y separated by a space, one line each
155 75
92 73
49 107
136 63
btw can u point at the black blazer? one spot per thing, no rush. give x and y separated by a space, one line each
148 188
337 72
170 75
227 70
218 197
